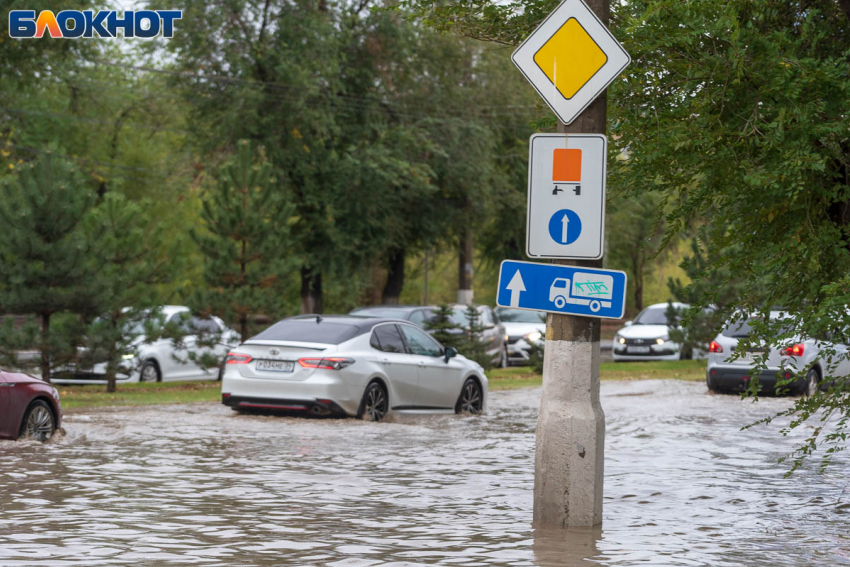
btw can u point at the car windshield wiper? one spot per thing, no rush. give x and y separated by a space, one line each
739 336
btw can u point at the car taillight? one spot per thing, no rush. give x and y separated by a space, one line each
332 363
236 358
714 347
796 350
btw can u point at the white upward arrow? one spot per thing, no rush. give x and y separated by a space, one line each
516 286
565 223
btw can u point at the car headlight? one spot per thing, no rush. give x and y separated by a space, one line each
662 340
534 337
129 356
507 337
621 340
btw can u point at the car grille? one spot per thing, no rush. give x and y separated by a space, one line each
639 342
513 340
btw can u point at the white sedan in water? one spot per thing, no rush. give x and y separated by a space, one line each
351 366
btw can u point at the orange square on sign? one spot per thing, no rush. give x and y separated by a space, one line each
566 166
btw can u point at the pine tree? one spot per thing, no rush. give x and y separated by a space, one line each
133 260
474 347
444 329
46 267
243 241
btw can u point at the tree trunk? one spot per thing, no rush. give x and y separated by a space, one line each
395 277
111 371
243 327
311 291
464 264
45 347
637 268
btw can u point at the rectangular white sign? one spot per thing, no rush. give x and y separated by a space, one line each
566 196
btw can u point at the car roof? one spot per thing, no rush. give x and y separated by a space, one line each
362 323
675 304
399 307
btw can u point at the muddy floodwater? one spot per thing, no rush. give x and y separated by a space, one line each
201 485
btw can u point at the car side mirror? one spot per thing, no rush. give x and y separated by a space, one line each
627 324
451 352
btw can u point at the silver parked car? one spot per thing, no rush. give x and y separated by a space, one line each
523 328
808 362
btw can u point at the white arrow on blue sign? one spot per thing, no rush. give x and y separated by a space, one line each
571 290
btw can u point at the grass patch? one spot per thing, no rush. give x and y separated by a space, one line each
524 377
500 379
140 394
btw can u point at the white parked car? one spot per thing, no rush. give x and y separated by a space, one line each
648 336
807 361
351 366
161 360
523 328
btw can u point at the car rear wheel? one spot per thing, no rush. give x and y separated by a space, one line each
38 422
471 399
812 383
375 405
150 372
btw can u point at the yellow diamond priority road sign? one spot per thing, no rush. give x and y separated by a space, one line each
570 59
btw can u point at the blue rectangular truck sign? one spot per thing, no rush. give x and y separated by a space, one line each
570 290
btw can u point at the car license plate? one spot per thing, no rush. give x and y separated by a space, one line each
747 358
638 349
276 365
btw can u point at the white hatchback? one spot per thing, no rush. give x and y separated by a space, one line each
648 336
163 360
806 362
351 366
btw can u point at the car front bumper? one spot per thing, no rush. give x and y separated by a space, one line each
96 375
667 351
737 379
520 351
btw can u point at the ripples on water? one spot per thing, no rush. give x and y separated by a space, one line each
183 485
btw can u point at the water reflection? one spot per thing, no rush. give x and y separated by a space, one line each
554 546
182 485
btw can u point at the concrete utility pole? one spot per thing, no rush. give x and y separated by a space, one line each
569 463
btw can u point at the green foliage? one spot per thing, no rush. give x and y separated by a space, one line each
473 347
129 253
245 229
45 249
634 233
535 358
737 113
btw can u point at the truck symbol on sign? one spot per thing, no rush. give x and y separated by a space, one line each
593 290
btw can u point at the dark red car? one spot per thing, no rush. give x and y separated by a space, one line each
29 407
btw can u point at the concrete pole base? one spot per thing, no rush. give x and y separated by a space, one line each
569 460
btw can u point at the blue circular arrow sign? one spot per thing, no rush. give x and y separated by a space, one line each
565 226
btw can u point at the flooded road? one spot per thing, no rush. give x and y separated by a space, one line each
200 485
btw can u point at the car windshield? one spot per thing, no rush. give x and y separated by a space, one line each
308 331
459 316
654 316
520 316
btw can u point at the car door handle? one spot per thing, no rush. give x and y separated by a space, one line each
421 364
7 385
386 361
